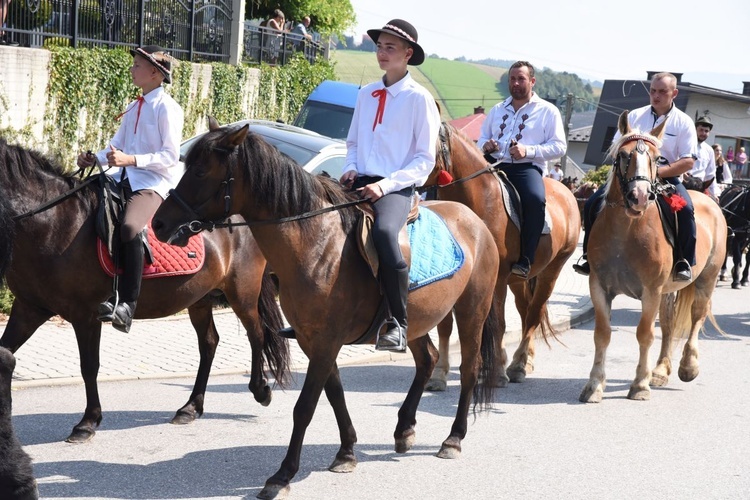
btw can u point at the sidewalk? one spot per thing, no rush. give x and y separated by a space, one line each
168 347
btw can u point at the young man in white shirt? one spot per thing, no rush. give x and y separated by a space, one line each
557 172
704 167
390 152
523 132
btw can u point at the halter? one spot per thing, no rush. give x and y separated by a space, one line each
197 224
640 149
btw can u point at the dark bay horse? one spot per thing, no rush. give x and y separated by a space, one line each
629 254
327 292
52 269
484 196
735 204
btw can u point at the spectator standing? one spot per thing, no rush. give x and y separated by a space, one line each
723 168
275 27
301 28
704 167
740 159
557 172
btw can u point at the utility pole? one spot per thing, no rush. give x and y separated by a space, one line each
566 126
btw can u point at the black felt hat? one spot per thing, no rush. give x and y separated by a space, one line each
158 58
705 121
401 29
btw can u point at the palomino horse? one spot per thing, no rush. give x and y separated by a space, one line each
735 203
54 270
327 291
629 254
477 188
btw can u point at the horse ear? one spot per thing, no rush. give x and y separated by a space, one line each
623 125
237 137
212 123
658 132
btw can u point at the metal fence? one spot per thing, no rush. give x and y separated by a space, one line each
194 30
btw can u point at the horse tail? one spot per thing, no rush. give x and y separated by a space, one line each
545 324
275 347
682 318
484 391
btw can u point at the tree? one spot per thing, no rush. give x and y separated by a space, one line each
327 16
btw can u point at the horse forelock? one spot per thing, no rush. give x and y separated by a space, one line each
458 141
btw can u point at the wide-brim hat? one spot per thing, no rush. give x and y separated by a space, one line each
158 58
401 29
705 121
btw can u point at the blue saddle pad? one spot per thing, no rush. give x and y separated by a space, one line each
435 253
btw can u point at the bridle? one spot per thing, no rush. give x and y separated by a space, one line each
620 168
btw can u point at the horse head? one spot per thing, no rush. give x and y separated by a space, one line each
635 165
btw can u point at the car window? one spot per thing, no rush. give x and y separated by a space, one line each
326 119
333 166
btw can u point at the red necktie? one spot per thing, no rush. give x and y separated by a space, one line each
138 114
380 94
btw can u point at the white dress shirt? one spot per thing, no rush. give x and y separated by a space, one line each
402 147
679 139
704 167
537 125
155 143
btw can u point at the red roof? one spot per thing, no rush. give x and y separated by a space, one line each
469 125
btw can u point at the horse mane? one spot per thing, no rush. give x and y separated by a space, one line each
278 182
450 131
7 230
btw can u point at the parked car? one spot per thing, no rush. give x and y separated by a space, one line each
329 109
314 152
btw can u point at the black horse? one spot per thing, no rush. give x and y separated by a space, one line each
50 264
735 204
16 475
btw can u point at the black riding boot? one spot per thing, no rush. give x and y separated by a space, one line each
396 288
130 284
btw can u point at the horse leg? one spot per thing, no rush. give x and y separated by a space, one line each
517 368
470 363
319 370
88 337
345 460
24 320
201 317
746 269
501 361
662 371
639 389
736 262
689 367
439 379
425 357
594 389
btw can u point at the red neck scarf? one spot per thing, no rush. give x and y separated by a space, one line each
380 94
137 116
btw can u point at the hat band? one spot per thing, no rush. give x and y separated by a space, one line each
152 59
400 31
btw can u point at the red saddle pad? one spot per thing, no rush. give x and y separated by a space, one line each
169 260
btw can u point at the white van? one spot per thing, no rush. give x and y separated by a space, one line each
329 109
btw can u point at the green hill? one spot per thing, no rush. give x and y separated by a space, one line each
459 87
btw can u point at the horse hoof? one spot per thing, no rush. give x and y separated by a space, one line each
722 277
687 374
744 283
449 452
80 436
517 375
735 286
436 385
182 418
502 381
345 464
591 394
269 396
405 443
273 491
639 394
658 380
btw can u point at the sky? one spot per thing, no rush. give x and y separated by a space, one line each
708 42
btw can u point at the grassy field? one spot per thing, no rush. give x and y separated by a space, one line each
458 86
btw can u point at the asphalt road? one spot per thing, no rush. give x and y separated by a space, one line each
690 441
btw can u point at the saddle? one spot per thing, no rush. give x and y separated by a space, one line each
512 203
160 259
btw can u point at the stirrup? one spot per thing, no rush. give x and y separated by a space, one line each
122 317
582 266
682 271
394 338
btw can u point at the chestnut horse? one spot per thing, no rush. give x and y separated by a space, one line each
327 291
629 254
475 186
52 269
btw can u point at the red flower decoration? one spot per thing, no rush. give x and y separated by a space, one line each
444 178
675 202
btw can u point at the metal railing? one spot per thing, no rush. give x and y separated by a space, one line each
274 47
193 30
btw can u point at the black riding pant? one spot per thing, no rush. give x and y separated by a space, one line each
528 181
